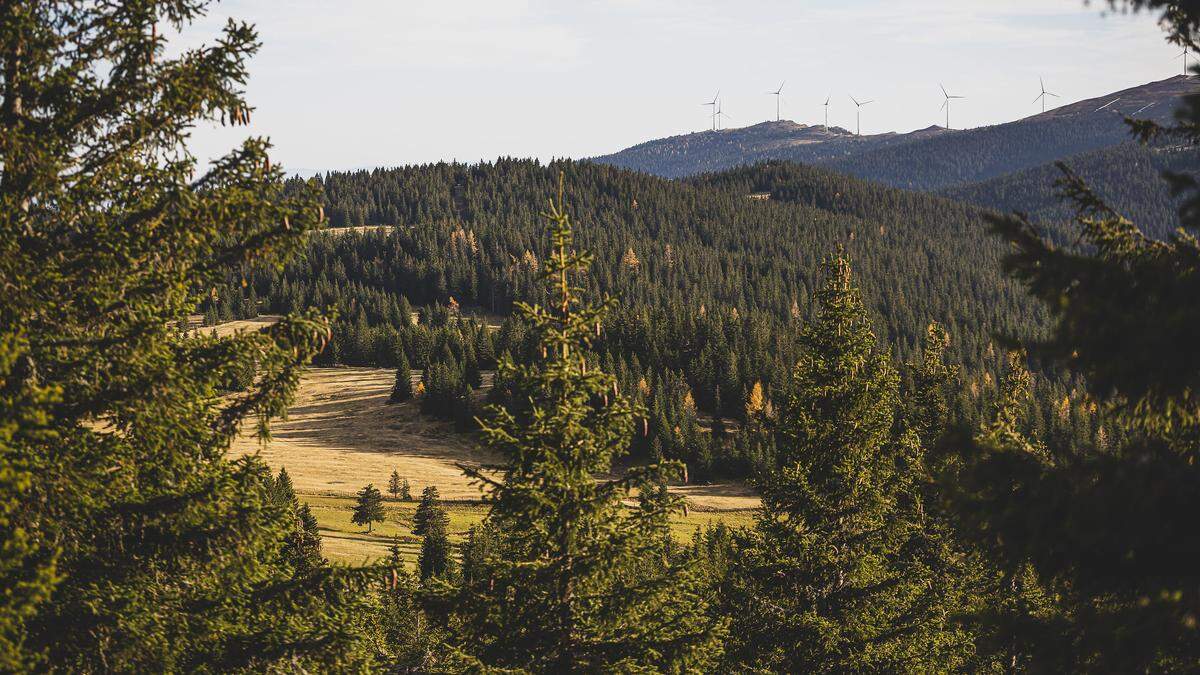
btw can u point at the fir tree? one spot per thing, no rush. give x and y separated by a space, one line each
154 551
405 491
1104 530
402 390
434 559
564 589
394 484
428 511
368 508
831 583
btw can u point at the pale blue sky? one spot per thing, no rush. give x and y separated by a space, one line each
355 83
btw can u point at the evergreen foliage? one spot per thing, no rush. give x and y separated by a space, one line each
368 508
428 512
130 543
435 557
566 587
394 484
841 576
403 389
1105 528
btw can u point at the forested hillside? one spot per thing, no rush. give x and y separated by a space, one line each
1127 176
713 284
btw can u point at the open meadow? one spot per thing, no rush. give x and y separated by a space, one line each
341 434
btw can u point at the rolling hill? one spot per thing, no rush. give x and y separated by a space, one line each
928 159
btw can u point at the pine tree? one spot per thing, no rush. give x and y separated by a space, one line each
1104 531
154 552
394 484
405 491
831 583
395 552
428 511
368 508
566 589
402 390
434 559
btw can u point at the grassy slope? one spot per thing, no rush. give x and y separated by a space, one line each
341 434
348 543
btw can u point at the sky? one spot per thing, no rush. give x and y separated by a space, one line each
364 83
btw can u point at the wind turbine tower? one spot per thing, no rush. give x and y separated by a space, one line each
719 114
1042 96
946 104
827 111
713 103
858 115
778 94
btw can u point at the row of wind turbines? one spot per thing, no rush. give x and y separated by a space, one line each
718 115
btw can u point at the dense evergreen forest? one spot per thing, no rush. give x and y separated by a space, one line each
712 284
936 496
1128 176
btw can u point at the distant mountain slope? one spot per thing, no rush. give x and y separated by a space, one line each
1128 176
928 159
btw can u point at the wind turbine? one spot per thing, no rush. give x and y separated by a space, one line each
946 104
1042 96
858 115
720 114
1184 54
713 103
778 94
827 111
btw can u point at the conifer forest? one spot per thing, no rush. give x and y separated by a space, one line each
952 378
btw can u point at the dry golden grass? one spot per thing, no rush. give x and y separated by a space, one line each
342 434
196 323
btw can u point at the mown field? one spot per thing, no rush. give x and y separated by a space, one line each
341 434
350 544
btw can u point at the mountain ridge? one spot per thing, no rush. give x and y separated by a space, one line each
932 158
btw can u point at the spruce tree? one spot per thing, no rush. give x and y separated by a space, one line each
1106 529
394 484
428 511
405 491
831 582
435 557
368 507
153 551
402 390
563 589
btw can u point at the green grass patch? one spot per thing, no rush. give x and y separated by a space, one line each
349 544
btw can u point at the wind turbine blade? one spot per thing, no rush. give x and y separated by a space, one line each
855 101
944 104
827 99
1039 97
866 102
943 90
1052 94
